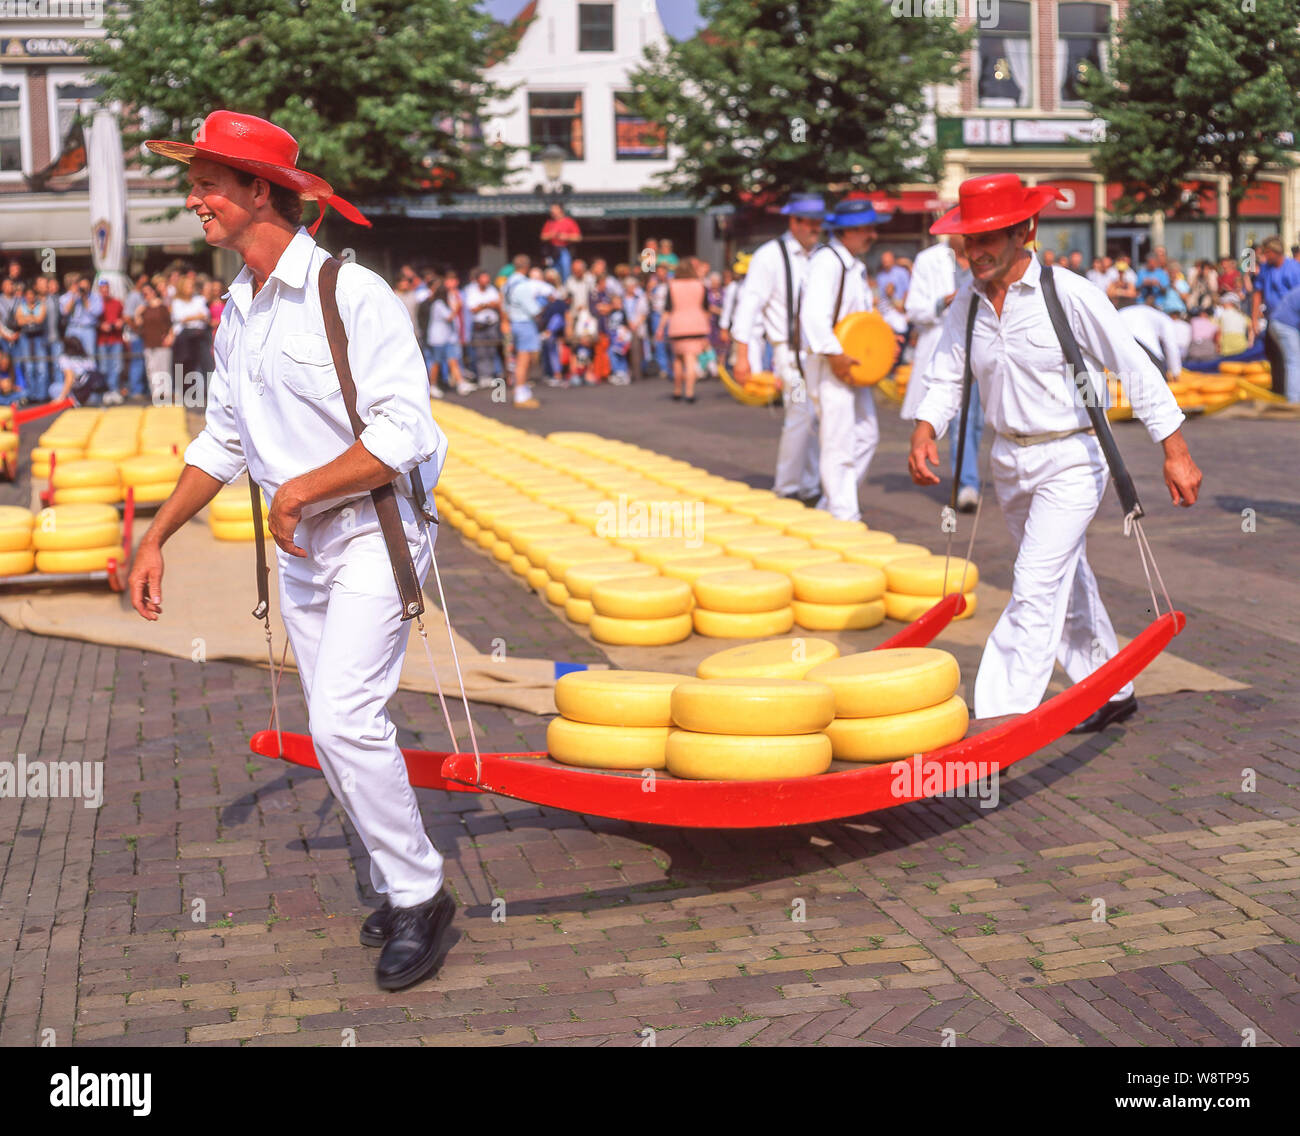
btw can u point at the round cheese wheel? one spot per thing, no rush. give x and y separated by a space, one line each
236 530
752 706
555 592
607 747
581 578
232 504
816 521
905 609
748 590
537 578
778 658
112 451
750 547
79 560
579 611
519 563
743 624
486 538
879 556
97 534
837 582
843 539
107 494
147 469
839 617
894 737
85 474
8 441
894 680
693 567
666 551
787 562
924 575
17 562
727 533
16 517
74 515
640 632
746 757
15 539
502 550
65 452
150 493
470 529
537 546
765 508
593 552
618 698
650 597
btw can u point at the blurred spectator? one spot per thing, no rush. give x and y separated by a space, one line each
1284 327
191 333
443 337
1075 263
561 233
1121 284
1152 280
111 342
1235 330
10 393
658 292
1204 335
686 327
135 365
154 323
1049 257
667 257
551 322
30 318
1230 278
81 309
524 299
483 307
1097 274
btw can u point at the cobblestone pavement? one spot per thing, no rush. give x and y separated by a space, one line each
213 898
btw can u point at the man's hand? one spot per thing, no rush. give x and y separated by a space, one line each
924 454
740 368
145 581
286 512
841 365
1181 473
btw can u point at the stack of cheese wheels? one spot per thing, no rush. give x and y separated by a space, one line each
77 538
750 729
775 658
117 434
585 550
838 596
150 477
762 384
86 482
17 553
648 611
8 442
230 514
581 578
917 583
893 703
744 604
164 431
612 719
67 438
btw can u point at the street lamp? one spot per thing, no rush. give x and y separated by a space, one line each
552 159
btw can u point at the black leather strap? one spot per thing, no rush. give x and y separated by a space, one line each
794 335
966 379
263 568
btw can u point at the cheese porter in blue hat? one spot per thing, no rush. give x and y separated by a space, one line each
804 205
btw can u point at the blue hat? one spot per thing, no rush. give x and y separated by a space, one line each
850 214
804 205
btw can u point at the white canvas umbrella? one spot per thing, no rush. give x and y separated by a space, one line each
108 202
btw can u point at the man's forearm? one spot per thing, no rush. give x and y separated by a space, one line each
356 470
194 489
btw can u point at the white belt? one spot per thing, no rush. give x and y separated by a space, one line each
1050 436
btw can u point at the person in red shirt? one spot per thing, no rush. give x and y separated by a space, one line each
1230 278
561 231
109 344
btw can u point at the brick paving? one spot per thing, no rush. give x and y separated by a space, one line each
1134 888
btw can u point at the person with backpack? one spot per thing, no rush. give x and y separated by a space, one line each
524 299
1049 469
846 414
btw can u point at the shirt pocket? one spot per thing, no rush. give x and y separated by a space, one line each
307 367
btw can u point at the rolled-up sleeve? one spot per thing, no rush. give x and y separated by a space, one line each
947 368
755 292
819 299
218 451
388 368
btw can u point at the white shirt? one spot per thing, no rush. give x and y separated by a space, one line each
1156 331
762 295
274 404
730 294
935 276
442 327
474 295
817 308
189 314
1025 384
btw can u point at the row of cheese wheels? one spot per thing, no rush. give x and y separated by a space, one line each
872 707
112 434
61 539
151 477
230 515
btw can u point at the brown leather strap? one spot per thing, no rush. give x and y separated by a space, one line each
384 497
263 569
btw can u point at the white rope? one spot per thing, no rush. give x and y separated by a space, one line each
275 686
437 682
1147 554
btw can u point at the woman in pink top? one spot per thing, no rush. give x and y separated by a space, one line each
686 326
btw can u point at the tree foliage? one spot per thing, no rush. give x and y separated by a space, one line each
778 94
1198 85
379 93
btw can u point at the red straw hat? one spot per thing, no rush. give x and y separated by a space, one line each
261 148
994 202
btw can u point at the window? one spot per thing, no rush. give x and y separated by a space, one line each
555 119
635 136
1084 41
595 27
68 96
1004 63
11 140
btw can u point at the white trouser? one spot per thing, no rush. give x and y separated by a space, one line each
796 453
848 432
341 611
1049 494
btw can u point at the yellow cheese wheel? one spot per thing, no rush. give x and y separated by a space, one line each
65 452
777 658
618 698
580 611
748 590
537 546
8 441
537 578
486 538
837 582
148 469
502 550
842 541
233 503
97 534
890 681
237 530
816 521
85 474
725 533
607 747
470 529
787 562
16 539
640 632
112 451
85 514
746 757
877 556
79 560
586 552
581 578
17 562
895 737
650 597
766 510
519 564
107 494
924 575
666 551
693 567
752 705
839 617
743 624
905 609
152 492
16 517
750 547
555 592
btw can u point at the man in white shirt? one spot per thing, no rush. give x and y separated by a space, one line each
276 409
1048 468
483 303
769 300
1156 333
837 285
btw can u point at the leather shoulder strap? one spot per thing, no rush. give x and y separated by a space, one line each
967 377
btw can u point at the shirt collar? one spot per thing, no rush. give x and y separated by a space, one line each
1033 274
291 270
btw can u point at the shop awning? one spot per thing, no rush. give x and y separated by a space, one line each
470 206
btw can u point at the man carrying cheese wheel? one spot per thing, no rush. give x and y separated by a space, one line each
769 299
837 285
1048 468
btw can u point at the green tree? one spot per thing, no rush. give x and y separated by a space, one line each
777 94
1197 86
382 95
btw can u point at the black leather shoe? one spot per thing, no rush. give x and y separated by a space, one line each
414 936
374 931
1109 713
